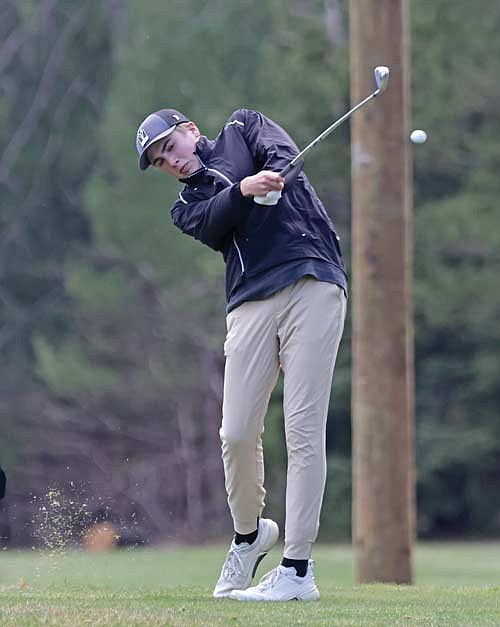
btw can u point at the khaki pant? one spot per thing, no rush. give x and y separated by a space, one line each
298 329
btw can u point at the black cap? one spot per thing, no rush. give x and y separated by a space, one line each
156 126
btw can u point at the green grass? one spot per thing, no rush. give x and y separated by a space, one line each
455 584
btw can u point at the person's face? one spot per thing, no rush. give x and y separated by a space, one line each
175 154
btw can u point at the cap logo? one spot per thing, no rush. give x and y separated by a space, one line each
176 117
142 137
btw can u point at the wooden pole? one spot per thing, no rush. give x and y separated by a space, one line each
383 372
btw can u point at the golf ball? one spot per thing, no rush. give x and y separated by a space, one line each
418 136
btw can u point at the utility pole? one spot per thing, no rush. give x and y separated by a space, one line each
383 370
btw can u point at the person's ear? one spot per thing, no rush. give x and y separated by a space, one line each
194 129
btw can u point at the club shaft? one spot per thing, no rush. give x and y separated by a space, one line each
326 132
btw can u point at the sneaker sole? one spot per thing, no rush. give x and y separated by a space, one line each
306 599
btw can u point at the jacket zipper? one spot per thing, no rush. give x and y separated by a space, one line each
229 182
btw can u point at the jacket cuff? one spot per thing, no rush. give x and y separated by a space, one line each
237 198
236 194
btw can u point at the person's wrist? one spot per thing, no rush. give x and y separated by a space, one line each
244 188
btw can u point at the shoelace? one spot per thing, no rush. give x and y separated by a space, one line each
269 580
232 565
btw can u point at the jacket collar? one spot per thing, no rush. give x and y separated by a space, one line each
204 149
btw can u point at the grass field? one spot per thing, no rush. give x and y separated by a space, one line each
455 584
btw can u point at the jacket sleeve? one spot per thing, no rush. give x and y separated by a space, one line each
211 220
271 146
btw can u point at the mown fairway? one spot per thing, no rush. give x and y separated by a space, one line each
456 584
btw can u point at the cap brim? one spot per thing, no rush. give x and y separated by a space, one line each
144 161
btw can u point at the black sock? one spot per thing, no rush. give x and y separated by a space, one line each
246 537
299 565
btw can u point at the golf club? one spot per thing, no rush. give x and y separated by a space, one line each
381 73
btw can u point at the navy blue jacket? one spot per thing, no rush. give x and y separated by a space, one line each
251 237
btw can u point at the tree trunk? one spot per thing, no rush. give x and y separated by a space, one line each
383 374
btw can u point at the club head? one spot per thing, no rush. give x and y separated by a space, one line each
381 77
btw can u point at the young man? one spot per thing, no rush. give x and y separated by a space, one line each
286 302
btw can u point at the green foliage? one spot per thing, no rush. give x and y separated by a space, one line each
68 371
99 292
54 76
457 265
455 92
336 513
51 90
102 298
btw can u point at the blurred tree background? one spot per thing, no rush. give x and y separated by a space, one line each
112 321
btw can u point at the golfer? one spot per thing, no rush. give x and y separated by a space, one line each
286 302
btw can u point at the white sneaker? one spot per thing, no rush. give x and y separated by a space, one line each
281 584
243 559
